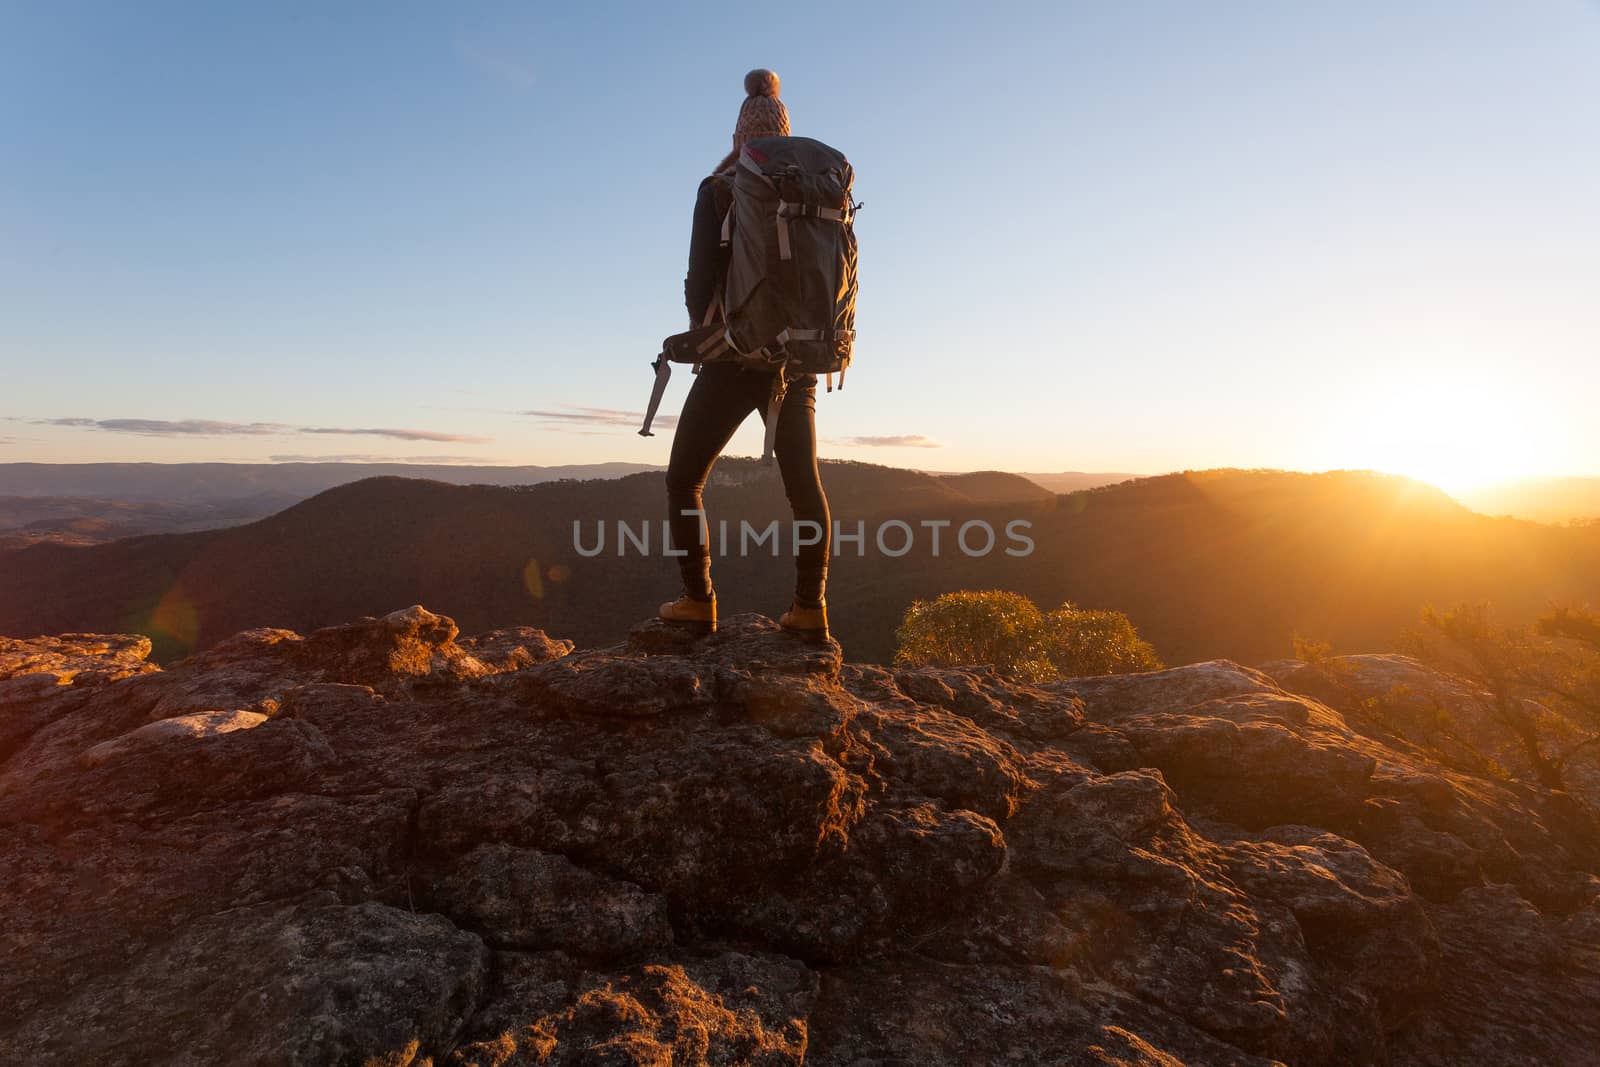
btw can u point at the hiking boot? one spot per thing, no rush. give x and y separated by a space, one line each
809 622
687 611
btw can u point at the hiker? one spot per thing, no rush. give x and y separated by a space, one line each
724 394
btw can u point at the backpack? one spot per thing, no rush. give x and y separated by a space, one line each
788 303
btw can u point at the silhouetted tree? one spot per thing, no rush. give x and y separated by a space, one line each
1571 676
1543 681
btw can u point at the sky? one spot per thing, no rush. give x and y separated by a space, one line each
1128 236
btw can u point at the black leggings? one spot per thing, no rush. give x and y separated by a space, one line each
722 397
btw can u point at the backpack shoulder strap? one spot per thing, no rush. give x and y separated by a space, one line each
721 185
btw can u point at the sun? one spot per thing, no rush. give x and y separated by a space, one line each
1458 431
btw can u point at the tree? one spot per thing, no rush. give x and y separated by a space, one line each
1008 630
1543 681
1572 675
1404 713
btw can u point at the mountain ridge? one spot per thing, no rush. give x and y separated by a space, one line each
1205 563
227 481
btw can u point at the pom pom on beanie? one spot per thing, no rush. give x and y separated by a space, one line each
761 82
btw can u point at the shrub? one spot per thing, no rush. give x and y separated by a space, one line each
1008 630
1082 642
993 626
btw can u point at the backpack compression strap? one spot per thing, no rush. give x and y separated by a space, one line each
780 387
789 209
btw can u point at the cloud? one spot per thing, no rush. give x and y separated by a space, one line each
898 440
171 428
403 435
570 418
367 457
212 428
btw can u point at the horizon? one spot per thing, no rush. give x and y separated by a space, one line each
1462 495
351 236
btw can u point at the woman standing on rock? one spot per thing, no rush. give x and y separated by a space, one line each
724 395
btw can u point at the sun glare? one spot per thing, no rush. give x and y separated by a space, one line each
1456 432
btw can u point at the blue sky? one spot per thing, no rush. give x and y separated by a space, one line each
1119 236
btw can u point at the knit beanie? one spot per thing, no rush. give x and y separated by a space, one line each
762 114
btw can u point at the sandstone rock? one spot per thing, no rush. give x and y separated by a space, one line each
44 677
1116 696
1399 698
197 725
1360 922
525 899
304 984
948 1016
515 648
81 659
1499 997
383 843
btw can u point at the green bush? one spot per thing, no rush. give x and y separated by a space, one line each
1081 642
1009 631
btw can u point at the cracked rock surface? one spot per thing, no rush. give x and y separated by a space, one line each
382 843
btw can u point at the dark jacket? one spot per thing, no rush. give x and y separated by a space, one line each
708 260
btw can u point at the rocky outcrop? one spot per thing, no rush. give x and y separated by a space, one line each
384 844
1403 702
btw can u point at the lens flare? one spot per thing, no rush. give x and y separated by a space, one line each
175 619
